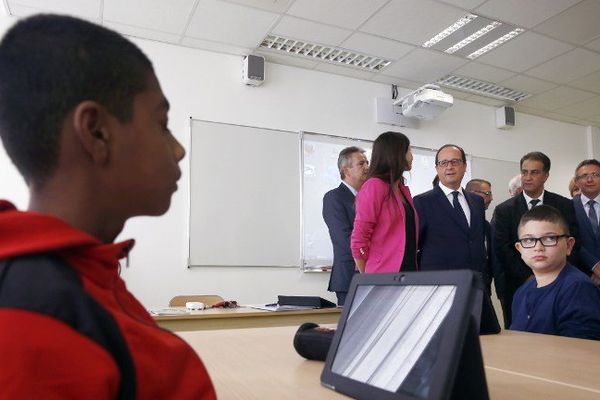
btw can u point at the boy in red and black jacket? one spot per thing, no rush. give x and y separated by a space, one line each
83 118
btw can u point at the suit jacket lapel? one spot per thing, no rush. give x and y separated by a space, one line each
582 215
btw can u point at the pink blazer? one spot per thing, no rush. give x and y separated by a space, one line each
379 229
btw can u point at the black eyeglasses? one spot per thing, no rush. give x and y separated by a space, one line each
455 162
546 241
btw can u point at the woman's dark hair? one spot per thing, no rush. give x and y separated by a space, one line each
388 159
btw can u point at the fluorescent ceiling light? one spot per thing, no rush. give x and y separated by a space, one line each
483 88
319 52
495 43
450 30
473 37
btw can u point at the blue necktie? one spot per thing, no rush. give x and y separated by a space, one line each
458 208
593 216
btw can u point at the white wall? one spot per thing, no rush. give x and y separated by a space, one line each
206 85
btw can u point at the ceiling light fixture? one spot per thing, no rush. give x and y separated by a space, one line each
473 37
450 30
495 43
483 88
329 54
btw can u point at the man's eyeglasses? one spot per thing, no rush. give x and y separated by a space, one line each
585 177
546 241
455 162
483 192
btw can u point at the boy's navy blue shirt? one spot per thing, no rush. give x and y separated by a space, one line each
569 306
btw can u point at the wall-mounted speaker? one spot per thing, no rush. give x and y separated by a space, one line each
253 70
505 117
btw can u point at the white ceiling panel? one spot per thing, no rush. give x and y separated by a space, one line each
528 84
403 83
287 60
488 101
578 24
585 109
338 70
567 67
563 118
214 20
297 28
457 94
276 6
344 13
215 46
524 13
484 72
412 21
466 4
126 12
424 66
559 97
377 46
590 82
525 51
87 9
143 32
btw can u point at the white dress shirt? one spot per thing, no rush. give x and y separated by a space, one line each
461 199
350 187
528 199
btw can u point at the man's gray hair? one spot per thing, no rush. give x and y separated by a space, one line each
514 184
345 158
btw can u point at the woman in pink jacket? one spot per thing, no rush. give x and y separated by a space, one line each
384 238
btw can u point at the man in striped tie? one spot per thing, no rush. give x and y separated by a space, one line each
587 210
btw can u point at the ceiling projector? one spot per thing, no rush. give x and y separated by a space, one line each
427 102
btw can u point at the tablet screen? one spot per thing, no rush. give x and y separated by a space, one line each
392 336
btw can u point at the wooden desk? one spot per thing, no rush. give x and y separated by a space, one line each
243 317
261 363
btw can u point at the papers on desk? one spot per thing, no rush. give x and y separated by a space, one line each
168 311
276 307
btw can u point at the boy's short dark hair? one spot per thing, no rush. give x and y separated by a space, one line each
545 213
536 156
48 65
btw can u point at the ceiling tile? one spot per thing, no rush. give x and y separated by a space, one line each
488 101
557 98
376 46
215 46
143 32
579 24
127 12
213 20
403 83
594 45
345 13
412 21
528 84
88 9
567 67
524 13
302 29
338 70
276 6
293 61
563 118
457 94
585 109
527 110
424 65
466 4
525 51
483 72
590 82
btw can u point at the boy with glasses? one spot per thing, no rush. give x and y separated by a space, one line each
560 300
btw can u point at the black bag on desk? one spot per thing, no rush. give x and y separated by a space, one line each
304 301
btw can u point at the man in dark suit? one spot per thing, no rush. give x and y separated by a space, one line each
338 213
451 220
587 210
535 169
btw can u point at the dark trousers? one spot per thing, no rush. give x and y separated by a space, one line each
341 298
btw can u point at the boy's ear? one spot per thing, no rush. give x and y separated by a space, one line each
89 123
570 244
518 247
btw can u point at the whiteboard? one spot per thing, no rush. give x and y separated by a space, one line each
320 153
498 173
244 196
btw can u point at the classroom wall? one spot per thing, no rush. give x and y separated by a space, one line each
206 85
